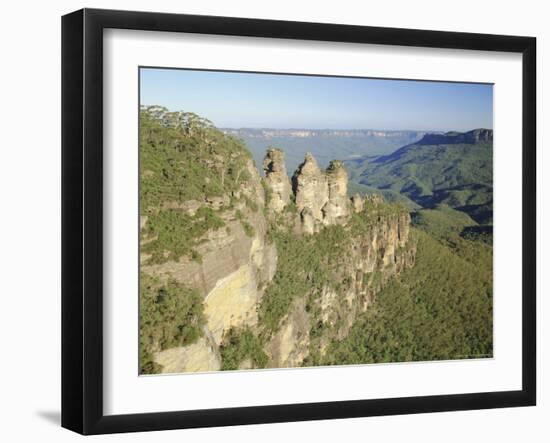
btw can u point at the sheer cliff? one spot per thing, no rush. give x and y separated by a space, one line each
243 271
202 230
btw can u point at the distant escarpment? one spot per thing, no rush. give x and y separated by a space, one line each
452 169
328 143
240 271
470 137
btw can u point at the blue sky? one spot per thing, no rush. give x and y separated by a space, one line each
241 100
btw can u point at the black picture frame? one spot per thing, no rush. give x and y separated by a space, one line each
82 218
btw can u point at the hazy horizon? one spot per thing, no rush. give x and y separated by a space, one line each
344 129
237 100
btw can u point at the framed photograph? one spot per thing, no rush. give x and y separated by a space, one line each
268 221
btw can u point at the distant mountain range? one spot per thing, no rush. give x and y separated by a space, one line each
418 169
271 133
452 138
239 271
324 144
454 169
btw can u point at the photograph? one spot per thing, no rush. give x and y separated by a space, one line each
291 221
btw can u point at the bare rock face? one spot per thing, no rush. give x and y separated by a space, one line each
236 265
357 203
232 302
142 221
310 187
202 356
336 209
321 196
290 345
276 180
385 246
308 221
480 135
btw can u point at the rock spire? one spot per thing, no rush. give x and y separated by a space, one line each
321 196
276 180
310 187
336 210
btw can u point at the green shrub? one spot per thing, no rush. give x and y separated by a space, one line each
248 229
305 264
170 315
183 157
176 234
308 263
239 345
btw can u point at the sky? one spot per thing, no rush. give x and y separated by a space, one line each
250 100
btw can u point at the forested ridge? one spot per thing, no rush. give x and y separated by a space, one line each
360 287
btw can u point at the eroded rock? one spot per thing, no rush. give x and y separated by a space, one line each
321 196
336 210
276 180
310 187
202 356
357 202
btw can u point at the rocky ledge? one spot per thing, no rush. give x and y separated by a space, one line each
239 263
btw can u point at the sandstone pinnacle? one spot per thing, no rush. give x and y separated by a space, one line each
276 180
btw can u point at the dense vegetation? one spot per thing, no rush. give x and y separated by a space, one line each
442 307
183 158
190 175
240 345
389 195
442 222
176 233
308 263
439 309
457 231
459 175
170 315
305 265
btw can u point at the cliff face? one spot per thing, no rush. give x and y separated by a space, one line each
336 210
202 231
224 245
276 180
321 196
310 187
374 256
357 203
236 264
471 137
377 247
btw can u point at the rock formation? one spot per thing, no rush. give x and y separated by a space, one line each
201 356
310 187
378 254
357 202
336 210
233 271
374 199
276 180
235 257
471 137
321 196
